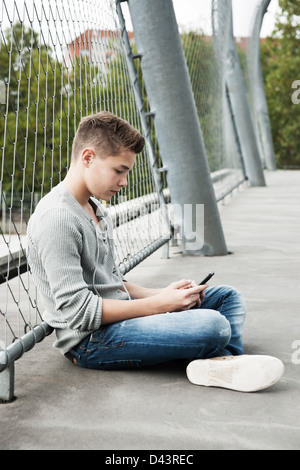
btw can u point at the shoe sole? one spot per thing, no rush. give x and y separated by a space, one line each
241 373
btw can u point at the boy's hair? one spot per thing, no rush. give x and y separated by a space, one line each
107 134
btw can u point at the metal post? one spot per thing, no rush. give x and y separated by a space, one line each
7 383
14 352
3 207
257 90
177 126
240 108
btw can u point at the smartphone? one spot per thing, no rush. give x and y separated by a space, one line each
205 280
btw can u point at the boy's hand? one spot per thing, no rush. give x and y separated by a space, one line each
181 295
202 293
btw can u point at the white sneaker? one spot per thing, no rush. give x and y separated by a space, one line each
242 373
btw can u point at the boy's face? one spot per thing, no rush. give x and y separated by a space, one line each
104 177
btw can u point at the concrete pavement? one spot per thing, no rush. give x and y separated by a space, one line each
60 406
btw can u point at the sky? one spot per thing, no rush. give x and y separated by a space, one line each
191 14
241 19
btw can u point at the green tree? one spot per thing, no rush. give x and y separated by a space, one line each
32 129
281 68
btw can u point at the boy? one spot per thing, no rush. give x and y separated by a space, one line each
104 322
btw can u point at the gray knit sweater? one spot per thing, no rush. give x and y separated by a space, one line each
72 263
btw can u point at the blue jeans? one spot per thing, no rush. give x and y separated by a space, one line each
214 329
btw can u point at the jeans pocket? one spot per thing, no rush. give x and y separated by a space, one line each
97 337
108 336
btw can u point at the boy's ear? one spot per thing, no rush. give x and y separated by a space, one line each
87 157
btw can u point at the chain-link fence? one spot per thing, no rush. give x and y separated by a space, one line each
59 62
